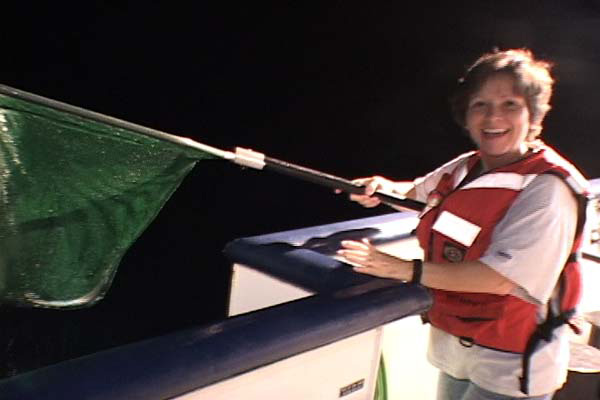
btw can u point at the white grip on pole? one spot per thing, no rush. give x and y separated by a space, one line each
249 158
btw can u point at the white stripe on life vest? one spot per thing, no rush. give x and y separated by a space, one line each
503 180
579 189
456 228
460 173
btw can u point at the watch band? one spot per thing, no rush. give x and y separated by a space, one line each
417 271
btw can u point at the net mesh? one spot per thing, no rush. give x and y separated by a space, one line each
75 193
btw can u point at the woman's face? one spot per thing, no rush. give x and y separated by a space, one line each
498 121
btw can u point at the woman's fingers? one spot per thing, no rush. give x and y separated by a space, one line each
371 185
365 201
356 252
354 245
355 259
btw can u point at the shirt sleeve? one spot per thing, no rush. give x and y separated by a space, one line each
531 243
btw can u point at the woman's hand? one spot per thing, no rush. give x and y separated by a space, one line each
371 185
368 260
378 183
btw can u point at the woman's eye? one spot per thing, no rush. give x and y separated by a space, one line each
512 105
477 105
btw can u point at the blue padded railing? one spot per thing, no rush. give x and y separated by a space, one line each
304 256
178 363
347 304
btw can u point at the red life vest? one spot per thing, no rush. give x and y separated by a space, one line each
458 225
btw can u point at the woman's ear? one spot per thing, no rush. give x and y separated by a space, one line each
534 131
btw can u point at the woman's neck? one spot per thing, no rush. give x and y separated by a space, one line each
490 162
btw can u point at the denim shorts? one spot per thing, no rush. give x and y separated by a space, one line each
450 388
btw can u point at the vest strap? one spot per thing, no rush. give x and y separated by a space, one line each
542 332
574 257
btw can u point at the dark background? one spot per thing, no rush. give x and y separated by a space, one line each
348 87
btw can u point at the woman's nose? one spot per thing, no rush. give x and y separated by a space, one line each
493 112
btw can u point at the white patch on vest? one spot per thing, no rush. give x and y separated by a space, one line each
503 180
456 228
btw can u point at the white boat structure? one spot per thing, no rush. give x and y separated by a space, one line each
302 325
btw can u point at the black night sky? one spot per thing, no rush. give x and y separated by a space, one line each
352 88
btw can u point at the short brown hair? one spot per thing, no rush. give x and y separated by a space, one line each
532 77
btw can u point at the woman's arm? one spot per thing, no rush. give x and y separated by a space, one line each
466 276
529 248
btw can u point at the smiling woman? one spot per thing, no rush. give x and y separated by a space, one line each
500 233
503 103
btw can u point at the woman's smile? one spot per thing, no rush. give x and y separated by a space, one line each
494 133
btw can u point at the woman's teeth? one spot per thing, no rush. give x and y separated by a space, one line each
494 132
